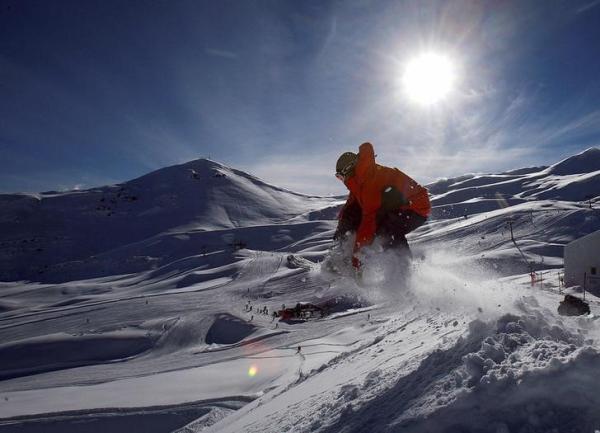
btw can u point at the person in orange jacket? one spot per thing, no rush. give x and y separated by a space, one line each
383 202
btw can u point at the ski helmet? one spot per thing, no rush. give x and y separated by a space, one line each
346 163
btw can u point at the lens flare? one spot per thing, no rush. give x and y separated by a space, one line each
252 371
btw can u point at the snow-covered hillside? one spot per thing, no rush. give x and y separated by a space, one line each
56 236
574 179
147 306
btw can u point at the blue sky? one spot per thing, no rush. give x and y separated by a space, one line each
96 92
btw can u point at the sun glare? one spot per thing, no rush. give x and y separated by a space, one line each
428 78
252 371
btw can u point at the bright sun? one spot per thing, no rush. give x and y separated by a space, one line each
428 78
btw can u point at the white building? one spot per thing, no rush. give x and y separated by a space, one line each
582 262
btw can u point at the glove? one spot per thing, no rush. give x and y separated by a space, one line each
355 262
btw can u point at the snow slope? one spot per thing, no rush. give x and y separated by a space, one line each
574 179
40 234
151 319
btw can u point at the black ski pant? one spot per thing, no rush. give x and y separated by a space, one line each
392 226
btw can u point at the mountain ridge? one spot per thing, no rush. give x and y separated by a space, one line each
40 232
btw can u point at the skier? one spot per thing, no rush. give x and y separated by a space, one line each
383 202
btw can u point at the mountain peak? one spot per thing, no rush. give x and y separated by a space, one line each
584 162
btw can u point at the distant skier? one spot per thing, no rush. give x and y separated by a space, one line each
383 202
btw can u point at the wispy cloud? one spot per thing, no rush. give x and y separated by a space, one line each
493 123
572 128
587 6
221 53
314 174
315 81
157 145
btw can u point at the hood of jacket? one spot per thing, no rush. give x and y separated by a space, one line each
364 166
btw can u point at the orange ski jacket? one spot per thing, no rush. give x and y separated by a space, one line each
366 186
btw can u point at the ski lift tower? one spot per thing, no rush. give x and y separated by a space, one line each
582 263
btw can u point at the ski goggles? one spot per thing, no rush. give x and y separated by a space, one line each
344 172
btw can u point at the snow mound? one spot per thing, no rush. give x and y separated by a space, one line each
558 399
529 373
7 306
519 344
61 351
212 417
228 329
522 372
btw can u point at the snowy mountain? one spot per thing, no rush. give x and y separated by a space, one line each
546 206
574 179
141 307
45 237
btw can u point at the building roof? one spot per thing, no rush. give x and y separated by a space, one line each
591 237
